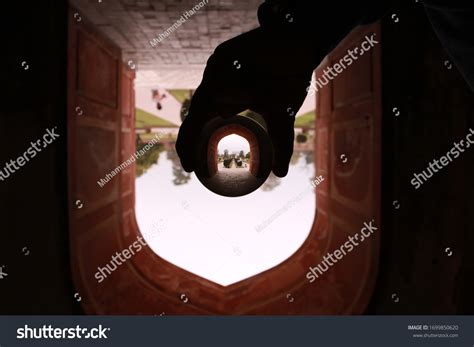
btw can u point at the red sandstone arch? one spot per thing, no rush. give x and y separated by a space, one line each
226 131
147 284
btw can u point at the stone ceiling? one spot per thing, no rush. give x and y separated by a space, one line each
179 59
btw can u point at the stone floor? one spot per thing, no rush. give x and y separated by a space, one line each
233 182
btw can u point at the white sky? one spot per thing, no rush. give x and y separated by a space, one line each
234 143
215 237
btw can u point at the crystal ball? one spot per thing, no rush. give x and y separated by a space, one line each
234 156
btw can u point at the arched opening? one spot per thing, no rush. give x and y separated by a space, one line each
214 237
238 171
231 138
279 251
231 162
233 155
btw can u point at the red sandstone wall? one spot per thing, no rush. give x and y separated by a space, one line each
104 136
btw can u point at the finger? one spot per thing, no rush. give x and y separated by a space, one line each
282 135
187 137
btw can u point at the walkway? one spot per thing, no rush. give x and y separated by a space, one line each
232 181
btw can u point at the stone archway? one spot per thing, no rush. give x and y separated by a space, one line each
227 130
148 284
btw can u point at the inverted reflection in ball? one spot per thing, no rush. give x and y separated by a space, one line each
234 156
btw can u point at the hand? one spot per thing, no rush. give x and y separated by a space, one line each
257 71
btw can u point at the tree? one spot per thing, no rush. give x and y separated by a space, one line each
295 157
180 176
271 183
247 155
149 158
226 154
301 138
186 105
227 163
185 109
241 154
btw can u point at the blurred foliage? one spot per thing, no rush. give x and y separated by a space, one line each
180 176
306 120
271 183
301 138
295 157
309 156
185 109
149 158
227 162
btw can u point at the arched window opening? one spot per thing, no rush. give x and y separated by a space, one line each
227 255
224 240
233 155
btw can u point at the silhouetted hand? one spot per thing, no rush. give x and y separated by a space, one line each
260 71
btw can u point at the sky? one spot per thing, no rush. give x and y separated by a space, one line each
234 143
222 239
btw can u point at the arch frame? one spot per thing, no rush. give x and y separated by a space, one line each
148 284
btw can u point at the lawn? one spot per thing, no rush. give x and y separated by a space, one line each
306 120
144 119
150 136
179 94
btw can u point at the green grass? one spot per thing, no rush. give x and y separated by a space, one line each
144 119
179 94
306 120
150 136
